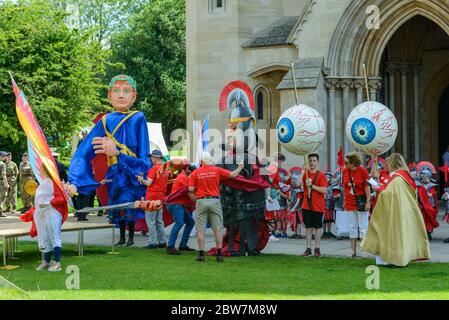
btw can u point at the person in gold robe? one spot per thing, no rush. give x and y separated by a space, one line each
396 233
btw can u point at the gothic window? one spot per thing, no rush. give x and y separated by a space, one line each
263 103
217 6
260 106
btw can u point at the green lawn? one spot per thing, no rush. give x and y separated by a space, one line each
142 274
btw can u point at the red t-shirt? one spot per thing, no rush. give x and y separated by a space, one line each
181 181
206 180
158 188
360 176
318 202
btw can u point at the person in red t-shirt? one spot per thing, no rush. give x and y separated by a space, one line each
355 183
156 188
313 207
204 188
181 209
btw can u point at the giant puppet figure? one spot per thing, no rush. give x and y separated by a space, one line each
243 206
123 137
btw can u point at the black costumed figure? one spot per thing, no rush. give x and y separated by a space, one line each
243 199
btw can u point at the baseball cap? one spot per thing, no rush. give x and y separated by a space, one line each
123 77
156 153
3 154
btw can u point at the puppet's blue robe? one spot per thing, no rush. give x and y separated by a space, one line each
124 186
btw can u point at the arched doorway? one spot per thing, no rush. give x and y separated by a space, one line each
443 116
413 56
414 39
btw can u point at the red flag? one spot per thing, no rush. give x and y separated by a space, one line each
445 170
341 159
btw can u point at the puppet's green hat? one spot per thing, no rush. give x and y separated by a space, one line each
123 77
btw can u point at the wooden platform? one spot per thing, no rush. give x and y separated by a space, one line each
11 231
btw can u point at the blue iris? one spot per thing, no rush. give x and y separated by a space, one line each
286 130
363 131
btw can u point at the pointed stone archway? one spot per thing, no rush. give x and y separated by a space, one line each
354 44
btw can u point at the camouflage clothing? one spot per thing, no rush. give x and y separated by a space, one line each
12 173
3 191
26 174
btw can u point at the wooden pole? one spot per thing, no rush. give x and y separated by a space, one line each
294 83
366 83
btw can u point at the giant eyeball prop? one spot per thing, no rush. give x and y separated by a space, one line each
372 128
301 130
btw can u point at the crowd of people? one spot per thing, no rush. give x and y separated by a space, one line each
234 193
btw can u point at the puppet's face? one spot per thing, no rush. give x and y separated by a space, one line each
122 96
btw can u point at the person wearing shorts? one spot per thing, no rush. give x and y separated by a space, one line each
313 207
355 182
204 185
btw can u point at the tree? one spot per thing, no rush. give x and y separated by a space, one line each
153 51
57 68
100 18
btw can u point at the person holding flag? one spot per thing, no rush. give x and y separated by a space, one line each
51 198
49 213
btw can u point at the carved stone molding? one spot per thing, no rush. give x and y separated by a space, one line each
332 84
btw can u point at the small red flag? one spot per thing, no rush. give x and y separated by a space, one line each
341 160
445 170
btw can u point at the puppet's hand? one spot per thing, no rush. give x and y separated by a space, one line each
70 189
105 146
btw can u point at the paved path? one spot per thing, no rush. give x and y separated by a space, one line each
329 247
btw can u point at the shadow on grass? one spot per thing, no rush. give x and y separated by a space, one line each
137 273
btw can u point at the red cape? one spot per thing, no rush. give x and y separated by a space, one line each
429 213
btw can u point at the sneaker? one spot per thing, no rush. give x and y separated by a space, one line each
122 242
220 258
55 267
162 246
151 246
293 236
307 253
187 248
364 255
143 233
173 251
317 252
44 265
284 235
446 241
130 243
273 239
201 259
278 235
352 254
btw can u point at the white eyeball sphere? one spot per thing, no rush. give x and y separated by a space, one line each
301 129
372 128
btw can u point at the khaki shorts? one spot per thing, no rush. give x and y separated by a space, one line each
209 208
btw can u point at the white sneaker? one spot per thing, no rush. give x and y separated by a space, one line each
44 265
55 267
273 239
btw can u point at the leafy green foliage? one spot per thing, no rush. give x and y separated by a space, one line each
56 68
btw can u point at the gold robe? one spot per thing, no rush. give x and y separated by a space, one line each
396 232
